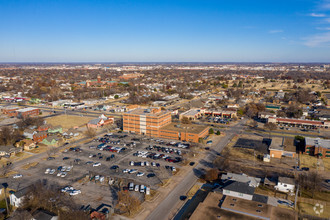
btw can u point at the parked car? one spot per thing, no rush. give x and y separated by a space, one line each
51 158
17 176
97 164
47 171
66 158
140 174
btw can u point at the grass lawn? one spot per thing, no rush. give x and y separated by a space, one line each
326 162
324 196
306 208
29 165
68 121
193 190
308 161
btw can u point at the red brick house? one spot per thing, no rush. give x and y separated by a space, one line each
39 136
44 127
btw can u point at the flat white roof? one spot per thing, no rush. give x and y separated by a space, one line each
27 109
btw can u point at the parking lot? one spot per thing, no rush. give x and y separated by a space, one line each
105 165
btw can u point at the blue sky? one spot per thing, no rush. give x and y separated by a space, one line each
164 31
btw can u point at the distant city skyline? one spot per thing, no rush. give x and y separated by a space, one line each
291 31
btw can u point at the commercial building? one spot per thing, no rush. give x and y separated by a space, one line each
228 207
223 113
184 132
146 121
282 147
9 111
317 147
191 114
27 112
157 123
299 122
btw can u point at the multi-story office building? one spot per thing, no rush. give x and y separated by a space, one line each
146 121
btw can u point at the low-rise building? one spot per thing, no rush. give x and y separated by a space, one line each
317 147
184 132
282 147
27 112
99 122
191 114
9 111
40 136
16 198
55 129
285 184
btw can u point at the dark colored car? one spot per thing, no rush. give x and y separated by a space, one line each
305 168
51 158
192 163
114 167
151 175
182 198
108 159
66 158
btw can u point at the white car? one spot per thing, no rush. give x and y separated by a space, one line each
75 192
136 189
63 174
59 174
47 171
17 176
63 169
97 164
52 171
126 170
139 174
132 171
91 155
153 164
146 163
97 177
131 163
68 169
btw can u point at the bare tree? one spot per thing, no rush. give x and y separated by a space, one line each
185 120
127 202
91 133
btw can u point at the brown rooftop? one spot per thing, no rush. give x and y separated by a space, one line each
189 128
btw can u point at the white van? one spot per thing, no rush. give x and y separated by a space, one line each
131 186
142 189
148 191
136 188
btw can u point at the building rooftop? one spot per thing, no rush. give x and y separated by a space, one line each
152 112
239 187
285 144
243 178
189 128
286 180
318 141
27 109
191 112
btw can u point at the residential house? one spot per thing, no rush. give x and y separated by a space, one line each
55 129
243 178
40 136
44 215
317 147
238 189
50 140
285 184
27 144
16 198
28 133
44 127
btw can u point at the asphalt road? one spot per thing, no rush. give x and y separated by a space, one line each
165 208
